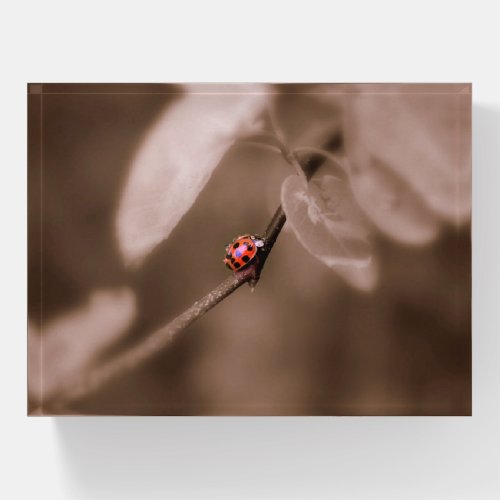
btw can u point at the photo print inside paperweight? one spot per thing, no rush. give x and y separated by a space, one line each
249 249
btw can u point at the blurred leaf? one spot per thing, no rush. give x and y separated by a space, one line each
66 346
394 207
327 221
364 278
388 201
176 159
424 138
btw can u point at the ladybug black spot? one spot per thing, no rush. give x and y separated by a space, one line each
249 248
246 258
228 256
237 265
236 245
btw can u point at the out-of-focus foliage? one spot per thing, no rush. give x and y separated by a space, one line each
415 147
407 155
68 345
328 222
176 159
392 204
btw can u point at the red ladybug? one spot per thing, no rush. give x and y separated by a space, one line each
242 250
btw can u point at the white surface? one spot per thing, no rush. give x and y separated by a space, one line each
260 458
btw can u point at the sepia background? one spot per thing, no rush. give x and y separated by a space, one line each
306 342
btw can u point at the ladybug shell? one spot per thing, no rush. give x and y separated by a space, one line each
240 252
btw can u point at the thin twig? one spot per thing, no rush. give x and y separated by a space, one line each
81 387
98 377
